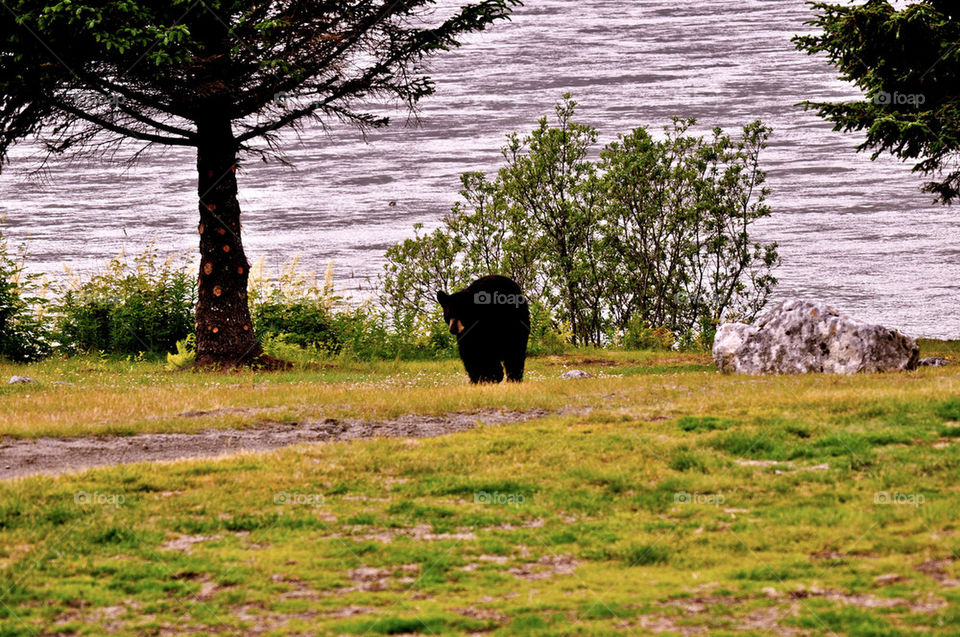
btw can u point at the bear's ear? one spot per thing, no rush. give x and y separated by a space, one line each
443 298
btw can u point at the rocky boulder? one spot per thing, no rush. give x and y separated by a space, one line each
800 337
21 380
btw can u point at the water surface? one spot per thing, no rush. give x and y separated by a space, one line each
855 233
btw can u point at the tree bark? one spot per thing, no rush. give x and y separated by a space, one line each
225 336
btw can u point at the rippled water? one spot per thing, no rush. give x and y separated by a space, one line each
855 233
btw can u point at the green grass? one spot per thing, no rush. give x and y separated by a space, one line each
639 503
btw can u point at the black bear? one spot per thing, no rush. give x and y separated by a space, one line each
491 319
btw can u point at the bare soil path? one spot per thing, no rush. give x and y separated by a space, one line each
51 456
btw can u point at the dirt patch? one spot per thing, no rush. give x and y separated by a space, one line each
761 620
420 533
655 624
928 604
701 603
766 619
107 617
494 559
185 542
546 567
370 579
261 620
227 411
481 613
297 588
937 569
424 532
887 579
828 555
529 524
351 611
573 361
782 463
51 456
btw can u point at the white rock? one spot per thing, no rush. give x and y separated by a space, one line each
934 361
800 337
576 373
17 380
728 341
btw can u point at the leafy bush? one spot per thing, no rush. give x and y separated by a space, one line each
294 310
545 337
24 335
278 346
146 306
185 356
639 335
655 233
295 307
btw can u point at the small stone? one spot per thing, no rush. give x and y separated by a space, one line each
888 578
576 373
19 380
935 361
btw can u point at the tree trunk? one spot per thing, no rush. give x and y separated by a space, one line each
225 337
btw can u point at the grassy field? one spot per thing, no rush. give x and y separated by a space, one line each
658 497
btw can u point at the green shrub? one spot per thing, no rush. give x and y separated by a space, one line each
639 335
656 231
296 315
303 322
186 354
146 305
279 346
24 335
545 337
699 340
294 307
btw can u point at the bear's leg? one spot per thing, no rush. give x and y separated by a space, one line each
470 363
490 371
515 352
513 364
481 366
